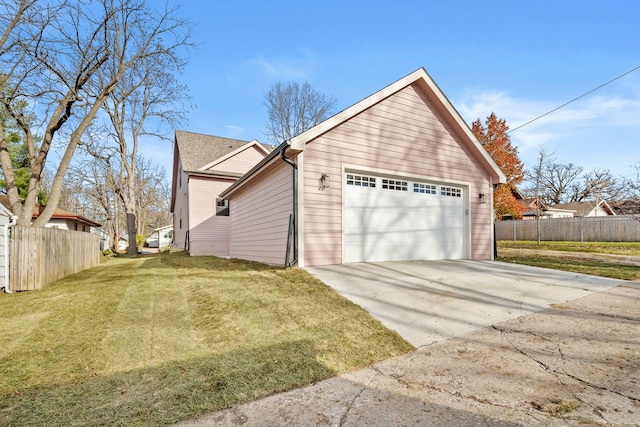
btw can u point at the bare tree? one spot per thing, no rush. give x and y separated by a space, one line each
537 177
63 62
145 103
295 108
629 201
597 184
95 184
557 181
152 198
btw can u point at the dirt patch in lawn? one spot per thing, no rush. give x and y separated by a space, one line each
584 256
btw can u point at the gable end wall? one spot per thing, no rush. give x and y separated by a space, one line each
403 133
241 162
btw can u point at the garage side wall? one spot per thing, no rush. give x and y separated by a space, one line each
404 133
260 216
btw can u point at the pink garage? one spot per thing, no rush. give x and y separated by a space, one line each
397 176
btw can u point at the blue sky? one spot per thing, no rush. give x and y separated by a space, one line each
518 59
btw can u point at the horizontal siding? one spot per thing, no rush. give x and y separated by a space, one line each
215 239
403 133
208 233
241 162
260 216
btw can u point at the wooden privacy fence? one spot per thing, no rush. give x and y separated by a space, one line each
40 256
583 229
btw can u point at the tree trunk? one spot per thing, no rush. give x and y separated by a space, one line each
112 236
131 231
116 226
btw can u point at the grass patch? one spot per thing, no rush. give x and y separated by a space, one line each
614 271
155 340
556 407
616 248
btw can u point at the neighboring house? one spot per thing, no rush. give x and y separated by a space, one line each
397 176
555 212
123 243
165 236
203 167
160 238
589 208
61 219
103 235
534 208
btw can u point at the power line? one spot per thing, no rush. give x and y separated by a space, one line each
575 99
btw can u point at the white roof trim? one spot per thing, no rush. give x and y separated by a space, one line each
219 160
4 211
561 210
299 142
163 228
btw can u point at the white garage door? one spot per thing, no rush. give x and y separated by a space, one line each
395 219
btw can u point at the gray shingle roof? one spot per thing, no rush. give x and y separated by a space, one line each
584 208
198 150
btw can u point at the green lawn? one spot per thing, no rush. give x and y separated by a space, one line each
155 340
616 248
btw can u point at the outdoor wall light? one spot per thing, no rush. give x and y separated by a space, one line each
483 198
325 182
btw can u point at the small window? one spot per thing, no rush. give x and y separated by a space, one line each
450 192
361 180
393 184
222 207
424 188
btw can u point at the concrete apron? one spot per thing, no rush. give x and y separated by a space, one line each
431 301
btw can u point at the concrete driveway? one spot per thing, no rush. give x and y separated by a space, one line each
431 301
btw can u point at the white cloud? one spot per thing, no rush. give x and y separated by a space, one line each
280 70
234 132
298 67
596 131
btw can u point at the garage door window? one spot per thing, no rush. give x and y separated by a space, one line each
450 191
424 188
361 180
392 184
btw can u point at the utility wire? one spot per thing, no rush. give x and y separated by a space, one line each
574 99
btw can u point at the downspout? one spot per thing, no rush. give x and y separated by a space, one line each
14 221
295 209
